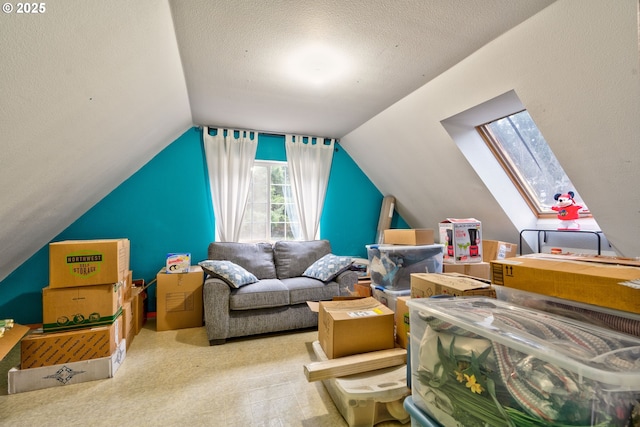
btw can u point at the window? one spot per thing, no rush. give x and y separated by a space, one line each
270 214
527 159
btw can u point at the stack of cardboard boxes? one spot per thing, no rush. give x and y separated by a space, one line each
90 315
463 260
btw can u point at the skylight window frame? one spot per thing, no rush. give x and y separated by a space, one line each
513 172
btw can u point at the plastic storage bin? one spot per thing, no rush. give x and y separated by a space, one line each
390 266
388 297
481 361
621 321
418 417
367 399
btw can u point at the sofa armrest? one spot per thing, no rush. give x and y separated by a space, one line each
216 295
346 281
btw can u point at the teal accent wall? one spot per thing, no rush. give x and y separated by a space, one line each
166 207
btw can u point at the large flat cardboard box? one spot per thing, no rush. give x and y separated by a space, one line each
495 249
426 285
81 306
22 380
56 348
354 326
179 299
11 338
88 262
481 269
462 238
601 284
402 321
412 236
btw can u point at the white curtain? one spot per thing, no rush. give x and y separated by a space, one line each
229 163
309 166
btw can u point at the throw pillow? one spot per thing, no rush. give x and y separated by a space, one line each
328 267
232 274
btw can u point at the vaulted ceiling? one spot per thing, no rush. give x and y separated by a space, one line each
92 90
325 67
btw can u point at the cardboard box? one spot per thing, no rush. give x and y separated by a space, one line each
420 236
362 288
88 262
178 263
128 284
402 321
22 380
354 326
11 337
605 285
480 269
128 325
462 239
179 299
47 349
80 307
495 249
138 307
425 285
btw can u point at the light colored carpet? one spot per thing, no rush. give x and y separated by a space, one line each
174 378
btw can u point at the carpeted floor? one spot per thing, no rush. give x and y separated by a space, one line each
174 378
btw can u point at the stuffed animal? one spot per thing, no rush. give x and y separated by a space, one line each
567 211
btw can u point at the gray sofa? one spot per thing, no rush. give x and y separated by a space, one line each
277 300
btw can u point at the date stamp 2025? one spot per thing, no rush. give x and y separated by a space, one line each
24 8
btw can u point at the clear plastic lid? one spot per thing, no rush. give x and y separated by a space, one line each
597 353
437 247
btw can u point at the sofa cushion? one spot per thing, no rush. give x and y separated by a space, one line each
256 258
232 274
328 267
303 289
263 294
293 258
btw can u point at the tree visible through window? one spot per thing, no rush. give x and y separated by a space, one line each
523 152
271 213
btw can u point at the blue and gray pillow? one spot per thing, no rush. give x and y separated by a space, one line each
328 267
230 273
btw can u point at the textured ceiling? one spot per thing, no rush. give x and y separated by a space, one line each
236 56
92 90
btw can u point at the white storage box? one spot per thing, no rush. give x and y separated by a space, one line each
367 399
481 361
21 380
390 266
387 296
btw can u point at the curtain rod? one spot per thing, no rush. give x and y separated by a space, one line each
263 132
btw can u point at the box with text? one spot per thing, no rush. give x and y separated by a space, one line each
462 239
88 262
354 326
179 299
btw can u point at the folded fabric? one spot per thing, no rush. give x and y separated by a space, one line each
230 273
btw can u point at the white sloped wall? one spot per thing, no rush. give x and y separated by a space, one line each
90 92
575 68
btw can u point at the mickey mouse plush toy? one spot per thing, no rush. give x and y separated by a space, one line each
567 211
